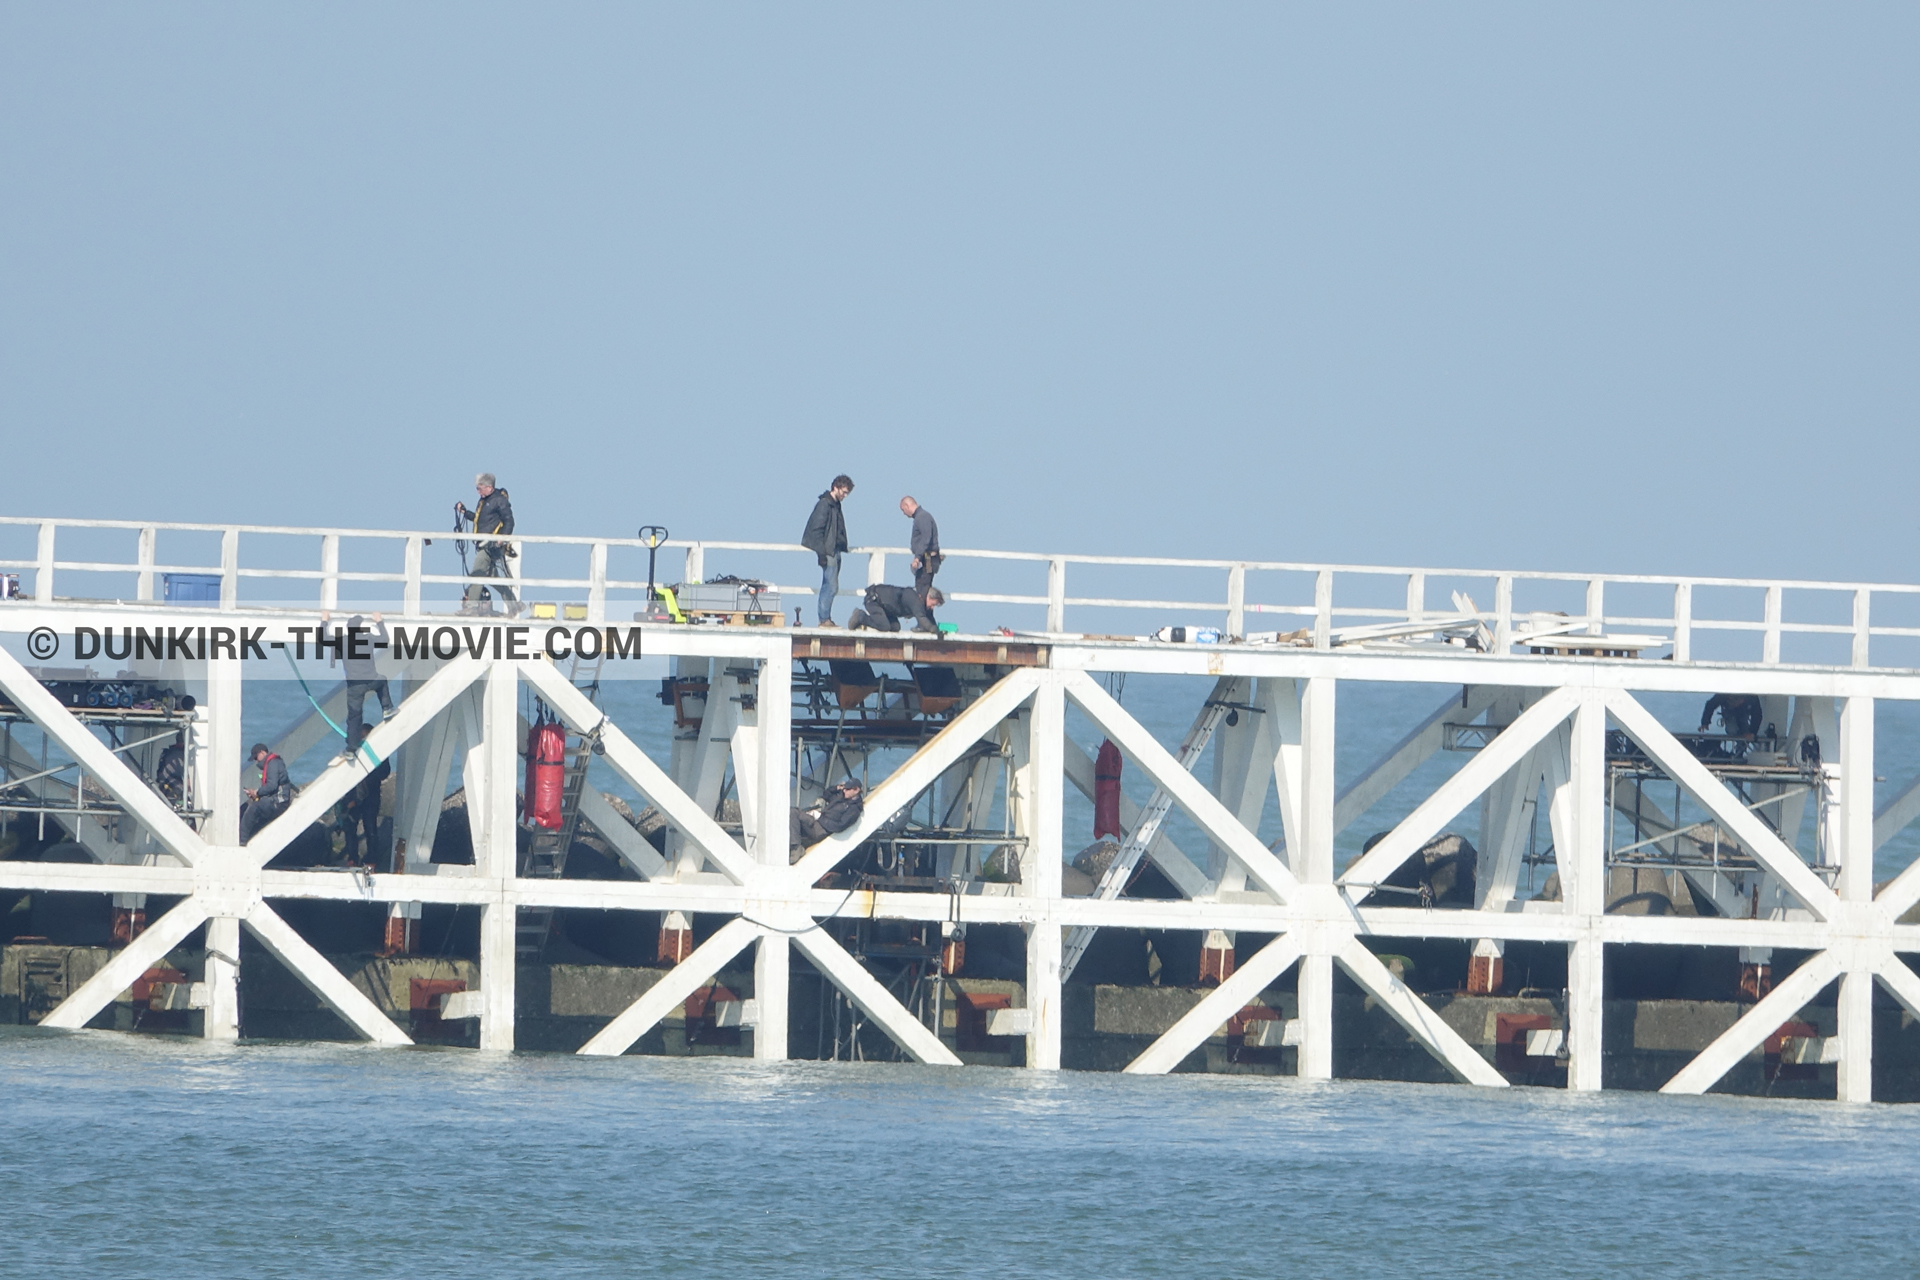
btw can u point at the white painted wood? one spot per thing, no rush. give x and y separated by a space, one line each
330 571
1165 854
321 978
1854 1075
1041 867
872 999
1585 893
343 773
771 990
1855 882
1254 975
621 834
919 772
638 768
1315 992
221 1019
1243 772
498 858
100 763
1154 760
225 753
143 586
672 989
1419 1018
1407 755
1433 814
1759 1022
119 973
1759 839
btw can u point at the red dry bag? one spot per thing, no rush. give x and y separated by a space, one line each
546 773
1106 792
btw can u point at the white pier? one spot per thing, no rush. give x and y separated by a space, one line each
1546 692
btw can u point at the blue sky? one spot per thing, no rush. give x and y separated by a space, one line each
1627 288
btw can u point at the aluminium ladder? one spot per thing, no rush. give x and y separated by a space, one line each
1153 816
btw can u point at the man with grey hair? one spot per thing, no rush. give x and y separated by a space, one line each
924 546
493 521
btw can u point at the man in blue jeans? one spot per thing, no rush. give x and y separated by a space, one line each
826 537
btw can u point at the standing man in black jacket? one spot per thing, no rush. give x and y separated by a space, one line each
493 521
925 544
826 537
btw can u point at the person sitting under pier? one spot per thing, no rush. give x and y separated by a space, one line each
887 605
837 810
268 800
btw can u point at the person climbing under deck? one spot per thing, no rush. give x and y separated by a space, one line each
353 650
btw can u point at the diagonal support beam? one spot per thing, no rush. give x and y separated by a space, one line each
1230 997
673 989
1419 1018
1895 816
1759 839
108 769
920 771
1481 772
1407 755
1187 791
145 951
1901 892
1761 1021
1900 982
346 772
621 834
873 999
320 977
1168 856
633 764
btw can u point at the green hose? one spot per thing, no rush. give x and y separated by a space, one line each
373 759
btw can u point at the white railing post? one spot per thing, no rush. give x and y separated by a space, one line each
1596 606
1862 630
1502 613
230 568
43 568
696 570
597 583
330 569
410 590
1683 622
876 568
1770 645
1323 609
1237 602
1416 597
1056 594
143 585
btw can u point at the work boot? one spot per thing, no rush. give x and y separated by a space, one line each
830 623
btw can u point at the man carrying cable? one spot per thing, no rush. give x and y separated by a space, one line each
494 522
354 652
887 605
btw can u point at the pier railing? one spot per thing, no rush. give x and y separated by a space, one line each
1845 624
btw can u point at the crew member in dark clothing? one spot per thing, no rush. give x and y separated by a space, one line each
826 537
839 809
268 800
353 650
493 520
887 605
925 544
170 773
360 811
1740 714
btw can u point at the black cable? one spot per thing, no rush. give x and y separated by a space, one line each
794 933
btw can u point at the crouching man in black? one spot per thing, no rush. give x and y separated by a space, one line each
886 606
838 809
268 800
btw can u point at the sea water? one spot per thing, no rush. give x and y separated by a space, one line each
154 1156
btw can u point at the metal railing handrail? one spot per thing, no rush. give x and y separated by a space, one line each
1499 613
